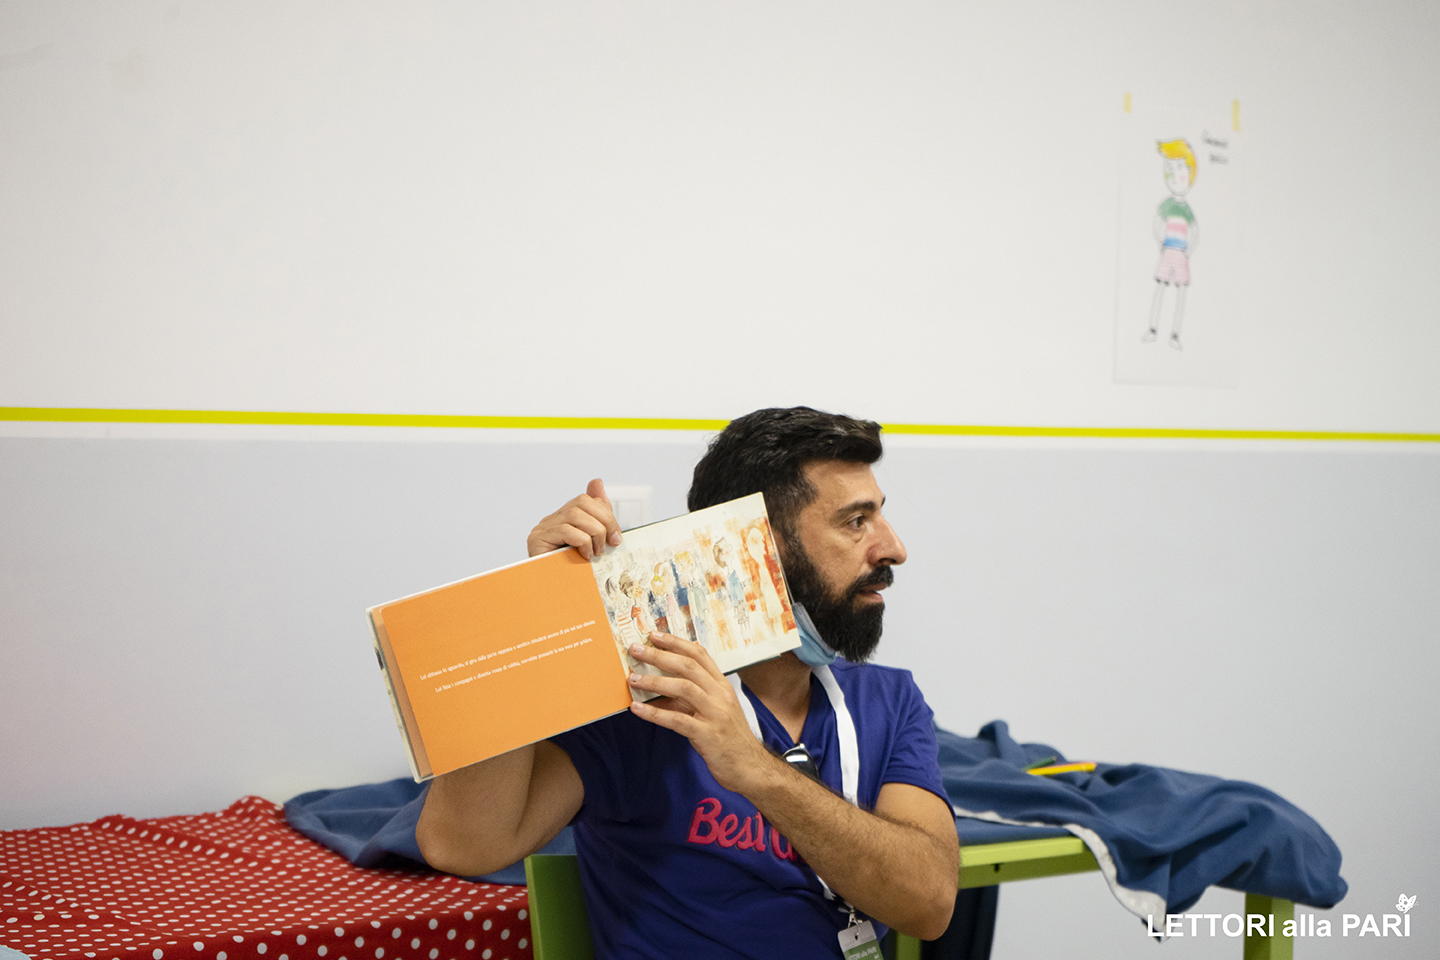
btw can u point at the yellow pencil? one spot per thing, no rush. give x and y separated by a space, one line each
1062 768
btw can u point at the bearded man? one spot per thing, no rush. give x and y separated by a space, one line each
757 815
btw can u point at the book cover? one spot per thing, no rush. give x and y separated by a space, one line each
493 662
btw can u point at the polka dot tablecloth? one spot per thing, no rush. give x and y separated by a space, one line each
237 885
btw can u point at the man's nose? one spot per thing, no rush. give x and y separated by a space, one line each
888 547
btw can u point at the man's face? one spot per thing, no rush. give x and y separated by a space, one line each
841 557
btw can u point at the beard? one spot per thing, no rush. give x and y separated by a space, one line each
851 629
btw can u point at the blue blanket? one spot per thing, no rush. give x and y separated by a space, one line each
1161 836
373 825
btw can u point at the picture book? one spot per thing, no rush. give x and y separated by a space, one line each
484 665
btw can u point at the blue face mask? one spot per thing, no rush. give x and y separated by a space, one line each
812 650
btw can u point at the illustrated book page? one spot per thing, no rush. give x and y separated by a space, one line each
712 576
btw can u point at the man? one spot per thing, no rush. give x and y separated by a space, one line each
695 837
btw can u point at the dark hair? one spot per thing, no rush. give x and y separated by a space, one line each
766 452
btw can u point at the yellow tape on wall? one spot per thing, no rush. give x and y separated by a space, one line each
284 418
281 418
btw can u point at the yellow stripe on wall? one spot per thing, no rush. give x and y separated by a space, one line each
280 418
1156 433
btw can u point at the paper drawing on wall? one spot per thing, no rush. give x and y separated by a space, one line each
1163 292
1177 233
719 584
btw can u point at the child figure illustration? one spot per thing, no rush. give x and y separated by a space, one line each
1177 232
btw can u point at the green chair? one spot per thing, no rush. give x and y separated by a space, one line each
559 922
560 925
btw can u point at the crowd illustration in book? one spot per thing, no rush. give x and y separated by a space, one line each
720 584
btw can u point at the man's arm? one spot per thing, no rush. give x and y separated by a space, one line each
899 864
491 814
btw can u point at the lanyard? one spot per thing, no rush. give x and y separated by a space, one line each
844 729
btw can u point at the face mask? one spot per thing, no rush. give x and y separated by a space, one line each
812 650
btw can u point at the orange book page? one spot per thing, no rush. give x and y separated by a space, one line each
506 658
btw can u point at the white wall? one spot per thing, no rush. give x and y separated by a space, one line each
426 208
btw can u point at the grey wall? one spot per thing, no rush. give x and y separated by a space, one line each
185 622
1270 617
189 617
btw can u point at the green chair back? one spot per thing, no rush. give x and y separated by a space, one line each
559 922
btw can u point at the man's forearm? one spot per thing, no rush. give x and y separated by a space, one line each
895 871
487 816
471 816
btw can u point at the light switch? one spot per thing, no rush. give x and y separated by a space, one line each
631 503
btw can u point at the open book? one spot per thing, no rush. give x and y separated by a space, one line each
484 665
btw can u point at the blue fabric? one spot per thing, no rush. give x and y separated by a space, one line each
373 825
1169 833
673 864
973 833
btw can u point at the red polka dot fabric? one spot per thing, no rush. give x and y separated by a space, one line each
237 885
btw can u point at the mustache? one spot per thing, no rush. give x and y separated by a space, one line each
882 576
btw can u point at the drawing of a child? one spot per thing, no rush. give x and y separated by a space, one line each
1177 232
641 622
655 598
664 589
773 609
724 622
618 607
734 587
702 617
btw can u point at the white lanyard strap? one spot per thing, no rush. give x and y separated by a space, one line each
844 728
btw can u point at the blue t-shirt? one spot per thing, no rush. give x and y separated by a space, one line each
673 864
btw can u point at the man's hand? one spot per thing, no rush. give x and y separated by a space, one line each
699 704
586 523
899 864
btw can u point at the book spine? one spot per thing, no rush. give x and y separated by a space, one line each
406 735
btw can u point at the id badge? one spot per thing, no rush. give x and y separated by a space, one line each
858 942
